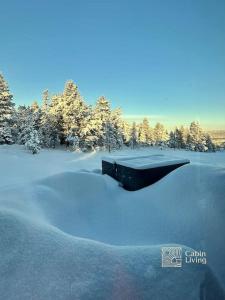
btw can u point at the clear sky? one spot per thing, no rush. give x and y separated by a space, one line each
159 58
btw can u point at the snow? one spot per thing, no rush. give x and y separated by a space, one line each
146 162
68 232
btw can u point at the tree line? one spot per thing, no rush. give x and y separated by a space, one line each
66 119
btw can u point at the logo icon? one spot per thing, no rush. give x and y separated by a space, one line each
171 257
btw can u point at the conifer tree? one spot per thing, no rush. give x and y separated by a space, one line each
26 123
117 125
23 114
134 136
172 142
211 147
45 101
33 141
107 125
74 111
146 137
126 132
180 138
160 135
48 130
110 141
195 139
55 113
34 106
101 115
6 111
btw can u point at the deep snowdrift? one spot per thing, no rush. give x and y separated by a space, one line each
78 235
40 262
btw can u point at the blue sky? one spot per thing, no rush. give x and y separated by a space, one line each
164 59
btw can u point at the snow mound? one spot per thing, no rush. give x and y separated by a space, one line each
78 235
38 261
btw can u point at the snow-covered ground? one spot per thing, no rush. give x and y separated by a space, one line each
67 232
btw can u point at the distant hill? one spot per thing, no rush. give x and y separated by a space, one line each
218 136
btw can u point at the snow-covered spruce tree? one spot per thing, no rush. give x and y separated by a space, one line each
107 125
74 112
101 115
196 140
126 131
89 133
113 138
211 147
146 137
69 97
48 130
25 121
21 117
45 101
6 111
34 106
36 113
181 138
45 126
73 141
117 124
172 142
134 136
110 138
160 135
28 134
55 113
14 127
33 142
178 138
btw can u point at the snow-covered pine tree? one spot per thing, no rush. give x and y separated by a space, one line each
55 113
48 131
110 142
45 126
70 95
211 147
126 131
146 137
36 115
160 135
180 137
143 132
14 127
101 115
45 101
6 111
134 136
172 142
196 140
74 112
89 136
22 115
35 106
33 142
107 125
28 134
117 124
73 141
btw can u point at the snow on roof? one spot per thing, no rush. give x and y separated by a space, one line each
145 162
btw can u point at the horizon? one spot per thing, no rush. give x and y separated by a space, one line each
161 60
